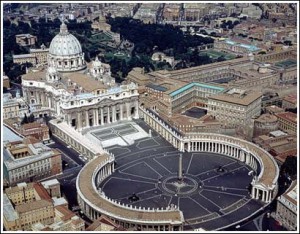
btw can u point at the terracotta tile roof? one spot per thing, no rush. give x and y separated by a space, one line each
31 206
67 214
289 116
42 192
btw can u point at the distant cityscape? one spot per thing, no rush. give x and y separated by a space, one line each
162 116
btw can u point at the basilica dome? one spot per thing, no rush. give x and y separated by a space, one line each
65 53
65 44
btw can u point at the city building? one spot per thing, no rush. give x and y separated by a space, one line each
11 107
278 143
252 11
40 54
38 130
52 187
26 39
287 121
171 12
35 56
287 205
101 24
273 109
29 207
34 206
24 58
235 106
265 124
64 220
289 101
195 11
255 72
25 161
235 46
148 13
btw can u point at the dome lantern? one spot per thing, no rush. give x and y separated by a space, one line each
63 29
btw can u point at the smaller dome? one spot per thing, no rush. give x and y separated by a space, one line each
97 62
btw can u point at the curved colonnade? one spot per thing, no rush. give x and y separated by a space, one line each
94 202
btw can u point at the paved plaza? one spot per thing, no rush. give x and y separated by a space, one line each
147 176
123 134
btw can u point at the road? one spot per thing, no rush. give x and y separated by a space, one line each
72 165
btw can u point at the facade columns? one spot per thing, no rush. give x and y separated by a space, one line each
86 118
49 102
97 117
94 117
114 117
128 111
108 115
136 114
79 121
101 116
121 111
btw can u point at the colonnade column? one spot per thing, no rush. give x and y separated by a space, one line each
263 195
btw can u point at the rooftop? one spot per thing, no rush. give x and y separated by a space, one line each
84 81
31 206
18 188
157 87
8 210
251 48
39 151
290 98
266 118
290 116
193 84
278 133
291 193
237 96
49 183
59 201
9 135
23 56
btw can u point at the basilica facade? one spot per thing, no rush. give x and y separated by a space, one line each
79 93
